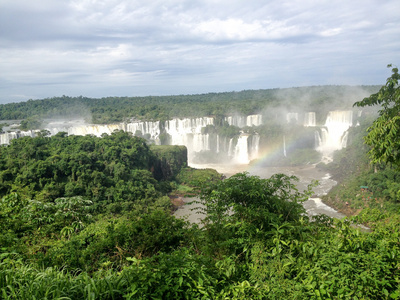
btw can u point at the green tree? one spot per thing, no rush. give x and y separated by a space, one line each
245 208
254 200
383 134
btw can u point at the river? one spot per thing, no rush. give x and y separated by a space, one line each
306 174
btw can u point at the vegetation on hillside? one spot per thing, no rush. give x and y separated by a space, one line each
382 135
368 173
255 245
118 109
256 242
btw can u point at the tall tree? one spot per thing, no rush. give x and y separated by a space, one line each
383 135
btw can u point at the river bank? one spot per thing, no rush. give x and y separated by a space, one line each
338 205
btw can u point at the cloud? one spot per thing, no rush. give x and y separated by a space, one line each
99 48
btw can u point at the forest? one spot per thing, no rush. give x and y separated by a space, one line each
118 109
85 217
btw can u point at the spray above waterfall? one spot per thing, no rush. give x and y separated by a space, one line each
203 140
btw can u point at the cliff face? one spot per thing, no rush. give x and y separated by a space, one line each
169 161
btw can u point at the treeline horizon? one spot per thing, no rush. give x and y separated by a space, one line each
117 109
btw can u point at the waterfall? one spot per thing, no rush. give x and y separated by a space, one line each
284 146
242 121
245 149
200 142
359 114
231 149
334 133
292 117
181 126
241 152
254 120
254 146
238 121
5 138
146 128
96 130
309 119
186 131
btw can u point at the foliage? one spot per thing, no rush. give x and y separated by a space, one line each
113 168
383 134
351 166
242 208
155 256
254 200
194 179
171 160
108 244
224 130
118 109
30 123
297 261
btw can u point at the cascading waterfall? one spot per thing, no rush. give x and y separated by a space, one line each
5 138
254 120
254 146
238 121
241 151
231 150
201 142
292 117
242 121
284 146
146 128
179 126
359 114
334 133
96 130
187 132
309 119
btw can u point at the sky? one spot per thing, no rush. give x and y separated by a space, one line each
101 48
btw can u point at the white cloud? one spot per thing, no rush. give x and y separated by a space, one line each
98 47
238 30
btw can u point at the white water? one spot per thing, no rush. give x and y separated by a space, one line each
292 117
96 130
188 132
309 119
5 138
254 120
284 146
242 121
254 147
241 153
146 128
334 134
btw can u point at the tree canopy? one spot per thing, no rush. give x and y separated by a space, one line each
117 109
383 134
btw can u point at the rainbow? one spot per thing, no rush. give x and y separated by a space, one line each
275 151
272 153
